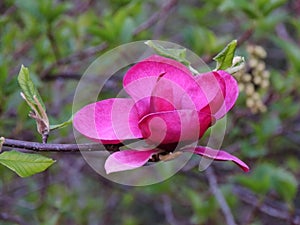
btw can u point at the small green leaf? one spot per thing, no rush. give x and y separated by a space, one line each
61 125
285 184
25 164
28 87
225 57
31 95
172 53
177 54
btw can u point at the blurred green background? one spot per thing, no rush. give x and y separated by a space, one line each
58 39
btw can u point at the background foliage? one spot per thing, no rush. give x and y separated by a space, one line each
58 39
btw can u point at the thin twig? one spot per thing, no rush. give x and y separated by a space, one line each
62 76
245 36
167 206
52 41
10 218
241 40
270 207
40 147
89 52
155 17
212 180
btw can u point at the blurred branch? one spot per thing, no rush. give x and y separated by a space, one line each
77 56
155 17
270 207
40 147
53 42
212 180
282 32
13 219
62 76
241 40
245 36
167 206
89 52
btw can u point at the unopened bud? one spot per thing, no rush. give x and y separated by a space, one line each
261 66
253 62
246 77
260 51
266 74
257 80
249 89
265 83
250 103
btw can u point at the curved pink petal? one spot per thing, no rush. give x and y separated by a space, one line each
108 121
175 126
168 95
232 92
127 160
214 87
218 155
141 79
226 93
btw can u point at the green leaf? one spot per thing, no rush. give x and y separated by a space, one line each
172 53
34 100
270 6
28 87
25 164
285 184
225 57
61 125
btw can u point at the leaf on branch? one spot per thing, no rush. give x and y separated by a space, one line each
25 164
28 87
225 57
61 125
31 95
172 53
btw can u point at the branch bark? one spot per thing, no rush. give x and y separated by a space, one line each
155 17
212 180
40 147
104 45
269 207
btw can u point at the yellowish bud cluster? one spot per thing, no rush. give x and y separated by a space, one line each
254 78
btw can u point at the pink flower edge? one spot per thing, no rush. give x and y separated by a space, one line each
127 160
133 159
219 155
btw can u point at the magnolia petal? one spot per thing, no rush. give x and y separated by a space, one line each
232 93
168 95
108 121
218 155
226 93
141 79
127 160
174 126
214 86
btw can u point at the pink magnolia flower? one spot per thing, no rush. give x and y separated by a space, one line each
167 107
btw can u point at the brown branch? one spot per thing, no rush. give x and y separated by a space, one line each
241 40
40 147
155 17
270 207
245 36
212 180
14 219
52 41
167 206
62 76
89 52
